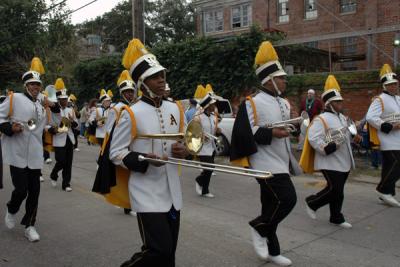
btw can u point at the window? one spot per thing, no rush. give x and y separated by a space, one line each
310 9
349 48
283 8
348 6
313 44
213 21
241 16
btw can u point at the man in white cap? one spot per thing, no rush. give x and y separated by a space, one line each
257 146
334 158
154 190
22 121
380 116
99 116
63 138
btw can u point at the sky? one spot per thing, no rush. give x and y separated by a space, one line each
91 11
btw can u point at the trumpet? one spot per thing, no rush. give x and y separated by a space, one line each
193 138
290 125
31 124
393 118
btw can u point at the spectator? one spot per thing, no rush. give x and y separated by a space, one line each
85 113
189 113
311 105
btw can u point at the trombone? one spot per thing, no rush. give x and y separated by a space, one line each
193 138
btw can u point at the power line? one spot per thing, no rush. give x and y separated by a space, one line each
29 33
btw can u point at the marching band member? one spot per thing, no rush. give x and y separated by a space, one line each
72 104
2 98
99 116
334 158
386 133
256 146
155 190
209 123
63 138
22 121
127 92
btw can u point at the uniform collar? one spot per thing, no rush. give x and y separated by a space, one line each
29 96
268 92
389 94
151 102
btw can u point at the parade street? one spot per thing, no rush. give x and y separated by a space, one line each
80 229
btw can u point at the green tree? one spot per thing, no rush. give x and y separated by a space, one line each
20 34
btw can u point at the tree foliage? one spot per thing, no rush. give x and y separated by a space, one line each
165 20
32 28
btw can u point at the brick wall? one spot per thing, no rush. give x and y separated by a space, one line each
356 101
370 14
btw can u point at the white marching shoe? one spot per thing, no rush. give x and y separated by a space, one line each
32 234
280 260
132 213
345 225
41 179
199 189
68 189
209 195
48 161
77 150
388 199
9 220
311 213
259 244
53 183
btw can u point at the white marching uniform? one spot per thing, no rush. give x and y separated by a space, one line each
96 114
209 124
391 104
113 115
157 188
278 153
59 139
342 159
24 149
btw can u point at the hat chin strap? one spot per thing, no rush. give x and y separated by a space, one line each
275 86
29 92
332 109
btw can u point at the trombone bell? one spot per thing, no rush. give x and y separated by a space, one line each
192 137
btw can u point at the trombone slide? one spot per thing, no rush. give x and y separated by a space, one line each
211 167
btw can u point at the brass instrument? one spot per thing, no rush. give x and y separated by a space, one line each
193 138
290 125
31 124
393 118
64 126
101 121
339 135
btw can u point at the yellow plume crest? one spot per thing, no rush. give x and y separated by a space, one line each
72 97
123 77
133 52
140 93
36 65
59 85
331 83
385 70
266 53
110 93
209 89
199 91
102 92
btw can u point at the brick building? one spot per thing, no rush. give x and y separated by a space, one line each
360 33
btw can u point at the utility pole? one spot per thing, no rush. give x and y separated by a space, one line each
137 19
